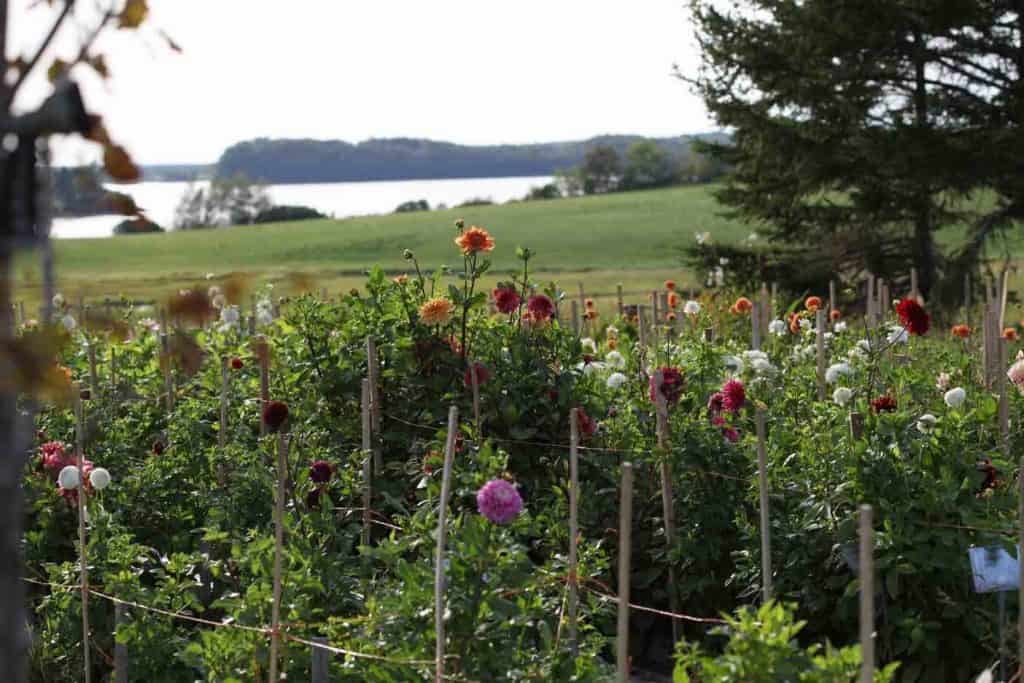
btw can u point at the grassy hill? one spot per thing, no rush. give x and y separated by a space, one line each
633 238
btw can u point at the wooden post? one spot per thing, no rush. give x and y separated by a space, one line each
367 463
1004 288
767 311
83 554
320 660
667 496
251 325
867 597
618 293
831 297
991 346
1004 399
583 297
574 526
113 370
819 338
263 354
755 327
762 480
21 312
870 310
625 548
575 310
655 319
967 297
222 435
275 606
915 293
373 373
94 377
121 663
856 425
884 300
442 532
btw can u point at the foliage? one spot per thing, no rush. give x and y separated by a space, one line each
136 226
226 201
413 205
282 214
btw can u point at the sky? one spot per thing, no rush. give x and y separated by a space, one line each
466 71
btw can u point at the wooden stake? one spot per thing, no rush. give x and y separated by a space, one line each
767 312
667 496
165 349
583 297
1004 399
574 526
275 606
618 293
83 555
120 649
442 533
832 301
655 319
755 327
113 370
1004 289
819 338
1020 576
870 315
856 425
21 311
867 597
915 293
320 662
367 462
762 480
625 548
94 377
222 436
575 312
373 372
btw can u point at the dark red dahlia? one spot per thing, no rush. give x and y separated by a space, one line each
587 424
913 316
236 363
672 384
320 471
313 498
540 307
716 403
506 299
275 414
733 395
158 447
482 375
884 404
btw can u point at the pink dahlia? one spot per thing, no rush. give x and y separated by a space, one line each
499 501
587 424
540 307
716 403
733 395
672 384
54 456
731 434
506 299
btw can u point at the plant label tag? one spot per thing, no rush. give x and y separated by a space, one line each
994 569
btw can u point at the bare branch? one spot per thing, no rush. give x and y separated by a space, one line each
61 18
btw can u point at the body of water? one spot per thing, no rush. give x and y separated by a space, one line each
333 199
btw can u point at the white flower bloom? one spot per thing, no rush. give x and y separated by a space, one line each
229 315
58 300
68 477
898 335
691 308
778 328
943 381
702 237
69 322
864 345
955 397
984 677
762 367
264 316
590 368
734 364
828 336
752 237
723 261
719 277
804 353
754 354
219 301
210 276
612 332
839 327
835 371
615 360
589 345
615 380
213 292
99 478
842 396
926 423
805 324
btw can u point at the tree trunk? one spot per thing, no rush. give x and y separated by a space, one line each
923 244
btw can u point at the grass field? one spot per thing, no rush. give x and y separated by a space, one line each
632 238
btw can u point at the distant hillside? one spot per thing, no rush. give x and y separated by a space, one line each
316 161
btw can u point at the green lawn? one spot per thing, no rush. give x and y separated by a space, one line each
633 238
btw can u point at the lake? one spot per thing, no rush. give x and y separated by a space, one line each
340 200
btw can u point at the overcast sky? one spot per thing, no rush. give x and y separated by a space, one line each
469 71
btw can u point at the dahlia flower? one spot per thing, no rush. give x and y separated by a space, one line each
499 501
436 311
475 239
842 395
955 397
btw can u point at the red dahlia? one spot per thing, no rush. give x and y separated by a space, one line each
236 363
672 384
275 413
886 404
320 471
733 395
913 316
506 299
587 424
482 375
540 307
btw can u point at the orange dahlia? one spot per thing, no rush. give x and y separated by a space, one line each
670 285
588 304
835 314
961 331
401 279
673 300
1010 334
436 311
591 314
813 303
475 239
613 344
743 305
